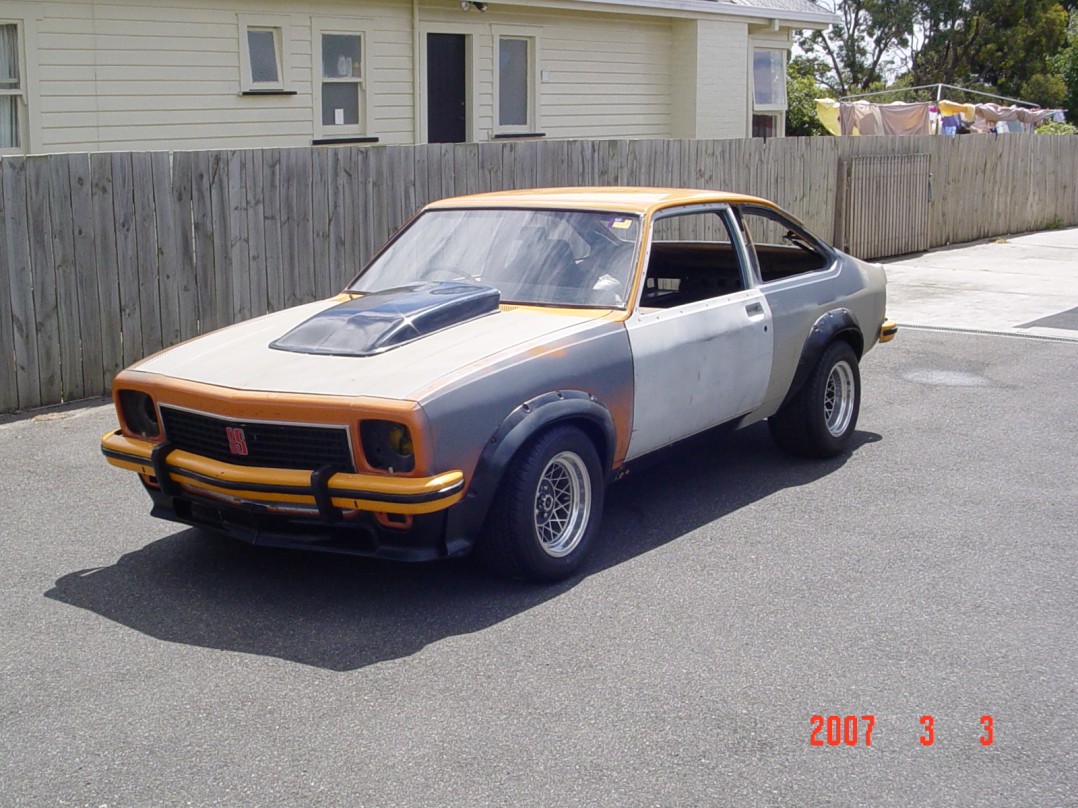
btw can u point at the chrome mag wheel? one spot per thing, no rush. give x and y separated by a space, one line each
840 396
562 504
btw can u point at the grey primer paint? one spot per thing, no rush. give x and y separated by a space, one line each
591 367
798 304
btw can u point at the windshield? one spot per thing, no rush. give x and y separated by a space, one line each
543 257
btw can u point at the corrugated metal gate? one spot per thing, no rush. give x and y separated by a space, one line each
883 205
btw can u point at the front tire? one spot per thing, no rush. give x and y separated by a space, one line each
819 421
544 521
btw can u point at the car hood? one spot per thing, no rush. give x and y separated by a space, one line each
240 357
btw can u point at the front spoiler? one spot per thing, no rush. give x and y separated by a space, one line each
325 493
421 539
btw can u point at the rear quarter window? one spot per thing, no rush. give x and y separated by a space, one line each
783 248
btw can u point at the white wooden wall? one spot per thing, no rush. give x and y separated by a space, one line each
151 75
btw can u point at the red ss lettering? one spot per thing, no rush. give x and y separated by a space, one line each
237 441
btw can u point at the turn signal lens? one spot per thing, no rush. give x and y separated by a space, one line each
139 414
387 445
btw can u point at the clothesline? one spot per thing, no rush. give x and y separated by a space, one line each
939 93
854 118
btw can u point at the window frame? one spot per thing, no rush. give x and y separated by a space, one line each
282 40
341 26
825 251
734 238
531 37
19 93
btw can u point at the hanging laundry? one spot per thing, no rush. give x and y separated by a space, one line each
827 112
906 119
967 111
860 118
854 118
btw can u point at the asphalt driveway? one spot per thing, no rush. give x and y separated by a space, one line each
736 595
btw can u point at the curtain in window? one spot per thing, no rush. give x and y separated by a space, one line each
9 80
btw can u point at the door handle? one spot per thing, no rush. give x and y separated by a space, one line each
754 308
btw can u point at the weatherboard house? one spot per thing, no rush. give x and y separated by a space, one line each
89 75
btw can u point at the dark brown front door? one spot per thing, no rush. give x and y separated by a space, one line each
447 92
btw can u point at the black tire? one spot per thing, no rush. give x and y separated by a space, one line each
820 419
544 519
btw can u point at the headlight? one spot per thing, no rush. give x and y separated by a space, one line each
387 445
139 413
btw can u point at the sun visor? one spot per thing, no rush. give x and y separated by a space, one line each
380 321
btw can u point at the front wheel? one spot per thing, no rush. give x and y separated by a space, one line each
543 523
820 419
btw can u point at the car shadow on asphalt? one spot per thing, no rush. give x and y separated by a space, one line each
343 613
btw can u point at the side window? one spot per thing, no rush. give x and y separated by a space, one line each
783 248
692 258
263 45
768 79
768 92
11 90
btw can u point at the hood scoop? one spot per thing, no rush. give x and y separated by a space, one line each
380 321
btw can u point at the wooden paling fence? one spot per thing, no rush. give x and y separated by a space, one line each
882 206
105 258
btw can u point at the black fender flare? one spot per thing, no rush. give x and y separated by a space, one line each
521 425
837 323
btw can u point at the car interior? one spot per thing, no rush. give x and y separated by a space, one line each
692 257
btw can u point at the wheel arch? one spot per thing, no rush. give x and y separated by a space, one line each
520 427
837 324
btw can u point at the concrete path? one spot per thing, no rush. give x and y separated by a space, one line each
1020 285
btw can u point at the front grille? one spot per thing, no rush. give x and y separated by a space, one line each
280 446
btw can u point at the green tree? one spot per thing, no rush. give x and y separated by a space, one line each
1001 44
859 51
1065 63
802 90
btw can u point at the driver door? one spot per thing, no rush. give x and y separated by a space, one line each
701 332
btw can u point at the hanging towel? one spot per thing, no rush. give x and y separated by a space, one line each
906 119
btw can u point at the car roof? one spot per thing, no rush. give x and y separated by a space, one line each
627 200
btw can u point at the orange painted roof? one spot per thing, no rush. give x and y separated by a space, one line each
628 200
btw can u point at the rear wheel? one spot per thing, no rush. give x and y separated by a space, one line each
543 523
820 419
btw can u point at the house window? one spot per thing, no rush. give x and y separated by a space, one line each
343 103
516 84
263 45
11 88
769 79
764 126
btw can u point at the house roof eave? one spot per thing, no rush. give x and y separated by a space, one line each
785 17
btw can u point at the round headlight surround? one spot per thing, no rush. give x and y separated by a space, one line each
140 413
